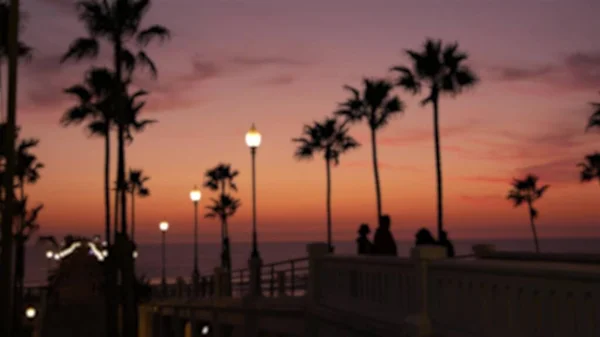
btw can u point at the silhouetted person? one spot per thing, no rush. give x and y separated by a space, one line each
444 241
383 241
364 244
424 237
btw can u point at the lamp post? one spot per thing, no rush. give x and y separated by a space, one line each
195 196
253 139
164 227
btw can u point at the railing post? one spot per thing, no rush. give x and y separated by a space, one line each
218 282
419 324
315 251
272 280
255 266
293 279
281 283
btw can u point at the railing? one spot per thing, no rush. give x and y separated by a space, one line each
378 287
284 278
505 298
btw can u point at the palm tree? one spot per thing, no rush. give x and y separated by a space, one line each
26 228
94 107
440 69
594 120
219 178
590 169
23 50
135 185
118 22
6 269
331 139
223 208
526 191
376 106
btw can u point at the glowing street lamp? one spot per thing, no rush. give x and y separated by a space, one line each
164 227
253 139
30 313
195 196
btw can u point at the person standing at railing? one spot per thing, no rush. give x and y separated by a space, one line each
445 242
383 241
363 243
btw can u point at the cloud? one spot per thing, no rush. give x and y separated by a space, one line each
381 165
478 199
410 137
249 61
485 179
279 80
557 172
575 71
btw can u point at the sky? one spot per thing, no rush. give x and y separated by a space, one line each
281 64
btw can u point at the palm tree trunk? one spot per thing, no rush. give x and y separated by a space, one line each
132 215
376 173
533 229
9 141
438 164
18 285
107 183
328 201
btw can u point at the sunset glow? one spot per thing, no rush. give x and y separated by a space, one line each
281 64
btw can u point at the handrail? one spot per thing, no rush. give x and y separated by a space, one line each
280 278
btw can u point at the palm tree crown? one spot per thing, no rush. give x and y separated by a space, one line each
526 191
136 183
594 120
439 68
117 21
328 137
223 207
220 177
375 105
590 169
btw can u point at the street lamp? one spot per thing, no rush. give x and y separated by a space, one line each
164 227
195 196
30 313
253 139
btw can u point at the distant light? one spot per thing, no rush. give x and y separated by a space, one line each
163 226
56 257
49 254
195 194
96 238
30 312
135 254
94 251
205 330
105 253
253 137
104 243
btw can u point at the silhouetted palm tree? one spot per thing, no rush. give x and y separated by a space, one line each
594 120
590 169
219 178
24 50
12 49
135 185
118 22
27 227
526 191
376 106
332 140
441 70
94 106
223 208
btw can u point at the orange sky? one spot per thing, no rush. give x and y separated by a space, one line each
281 65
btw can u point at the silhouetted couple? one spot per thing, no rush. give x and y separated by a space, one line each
424 237
383 241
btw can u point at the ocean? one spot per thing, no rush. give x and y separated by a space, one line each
179 257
